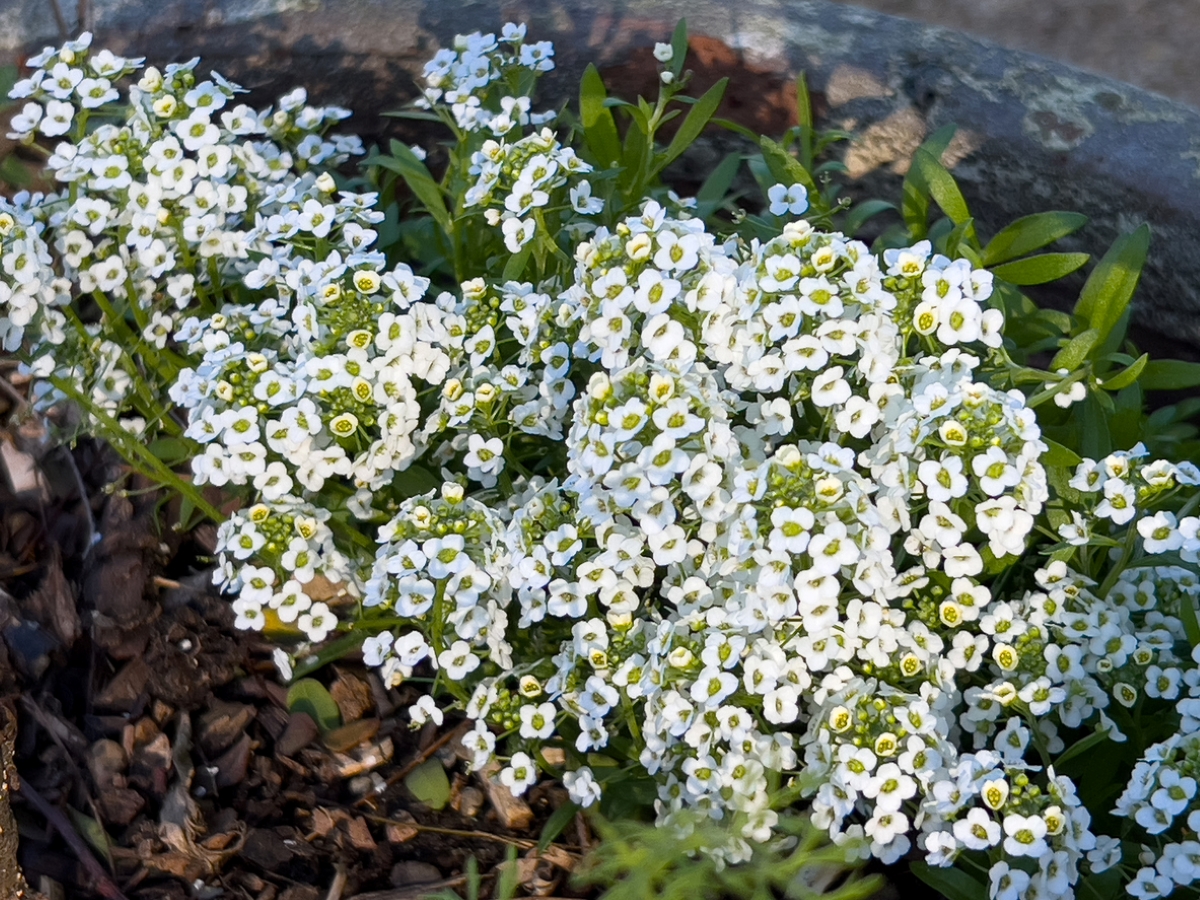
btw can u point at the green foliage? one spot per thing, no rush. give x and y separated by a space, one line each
310 696
1089 348
429 784
640 862
951 883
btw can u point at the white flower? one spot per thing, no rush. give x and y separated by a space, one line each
537 722
519 775
786 199
582 786
664 53
977 831
1026 835
1160 533
457 661
317 622
425 710
1007 883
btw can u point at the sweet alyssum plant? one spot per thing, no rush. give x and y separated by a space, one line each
737 511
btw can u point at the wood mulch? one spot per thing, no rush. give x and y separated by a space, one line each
149 748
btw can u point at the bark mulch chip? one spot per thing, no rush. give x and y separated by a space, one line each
153 746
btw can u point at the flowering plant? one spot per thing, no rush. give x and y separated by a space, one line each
729 508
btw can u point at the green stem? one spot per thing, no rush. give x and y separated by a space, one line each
137 454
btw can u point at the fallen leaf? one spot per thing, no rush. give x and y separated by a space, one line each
429 784
310 696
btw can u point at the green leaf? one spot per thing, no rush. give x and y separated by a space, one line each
416 479
915 197
937 143
1106 885
309 696
717 185
1083 746
172 450
517 262
1127 376
1040 269
942 186
1030 233
1071 356
429 784
737 128
405 163
94 833
1191 623
558 821
697 118
858 216
328 652
679 47
1095 439
954 884
804 115
1058 455
599 127
785 168
1170 375
417 114
1111 285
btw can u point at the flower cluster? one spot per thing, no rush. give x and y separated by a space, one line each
486 82
162 206
757 517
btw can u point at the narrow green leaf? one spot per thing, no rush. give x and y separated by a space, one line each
736 128
1170 375
1111 285
309 695
599 127
1040 269
951 883
405 163
915 192
558 821
329 652
785 168
937 143
1083 746
1127 376
914 206
717 185
804 114
697 119
429 784
635 151
416 479
1058 455
417 114
516 263
1095 439
172 450
1191 623
942 186
679 47
1071 356
94 833
1030 233
859 215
